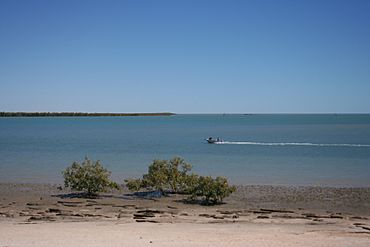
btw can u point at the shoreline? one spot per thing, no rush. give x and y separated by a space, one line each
255 215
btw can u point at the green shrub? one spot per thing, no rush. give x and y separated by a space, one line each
177 174
157 176
164 176
210 190
90 177
134 184
173 176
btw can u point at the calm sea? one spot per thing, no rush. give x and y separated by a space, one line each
329 150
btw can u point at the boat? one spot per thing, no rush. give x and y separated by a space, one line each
212 140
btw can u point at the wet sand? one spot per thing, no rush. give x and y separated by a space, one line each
47 215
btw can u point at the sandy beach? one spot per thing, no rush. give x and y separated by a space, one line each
47 215
178 234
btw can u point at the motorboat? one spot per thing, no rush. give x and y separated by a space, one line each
212 140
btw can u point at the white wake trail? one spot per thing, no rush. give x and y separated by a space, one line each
294 144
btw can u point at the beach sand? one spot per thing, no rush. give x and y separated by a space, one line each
45 215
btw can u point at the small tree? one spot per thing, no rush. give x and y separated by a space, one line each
157 176
90 177
173 176
163 175
134 184
211 191
177 170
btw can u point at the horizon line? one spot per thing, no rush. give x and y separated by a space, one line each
186 113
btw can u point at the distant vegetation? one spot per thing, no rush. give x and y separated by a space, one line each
173 176
90 177
79 114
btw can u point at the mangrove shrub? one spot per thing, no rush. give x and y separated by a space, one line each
164 176
210 190
89 176
173 176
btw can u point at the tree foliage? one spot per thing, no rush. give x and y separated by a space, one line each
89 176
173 176
164 176
134 184
210 190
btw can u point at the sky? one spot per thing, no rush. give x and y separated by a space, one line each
184 56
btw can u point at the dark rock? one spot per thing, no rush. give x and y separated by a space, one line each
54 210
71 205
366 228
358 224
261 212
228 212
149 211
218 217
336 217
139 218
41 218
144 215
129 206
276 211
149 221
289 217
358 218
207 215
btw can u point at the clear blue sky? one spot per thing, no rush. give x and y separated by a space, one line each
185 56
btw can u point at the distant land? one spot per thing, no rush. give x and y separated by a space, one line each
80 114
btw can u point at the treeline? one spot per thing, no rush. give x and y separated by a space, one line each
79 114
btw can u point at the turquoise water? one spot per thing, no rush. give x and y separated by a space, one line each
329 150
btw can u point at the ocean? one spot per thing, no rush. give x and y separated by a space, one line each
274 149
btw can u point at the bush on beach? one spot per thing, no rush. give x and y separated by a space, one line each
210 190
173 176
89 176
164 176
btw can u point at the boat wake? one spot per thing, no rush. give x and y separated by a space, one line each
293 144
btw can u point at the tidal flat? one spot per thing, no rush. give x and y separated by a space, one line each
255 215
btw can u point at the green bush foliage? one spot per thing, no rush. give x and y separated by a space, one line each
173 176
89 176
134 184
164 176
210 190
